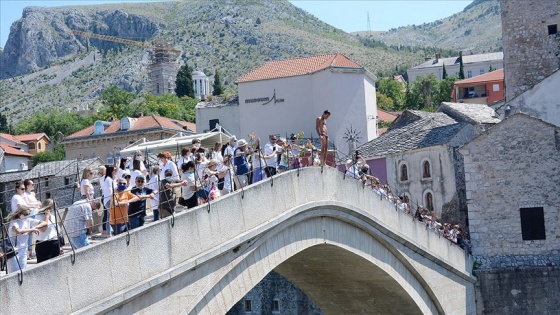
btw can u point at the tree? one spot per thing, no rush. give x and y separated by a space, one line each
444 74
52 122
184 82
117 103
48 156
384 102
4 125
218 89
394 90
444 90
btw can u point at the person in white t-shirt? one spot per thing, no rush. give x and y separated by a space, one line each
18 199
137 157
226 174
107 188
167 164
270 152
47 245
153 184
232 145
189 187
21 226
86 187
136 171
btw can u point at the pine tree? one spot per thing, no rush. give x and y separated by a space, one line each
4 126
444 75
184 82
217 87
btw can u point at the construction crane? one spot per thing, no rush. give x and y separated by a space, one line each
163 67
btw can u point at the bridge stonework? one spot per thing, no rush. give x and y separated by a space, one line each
350 251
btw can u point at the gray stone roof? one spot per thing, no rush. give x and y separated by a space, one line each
474 114
218 101
434 129
466 60
49 169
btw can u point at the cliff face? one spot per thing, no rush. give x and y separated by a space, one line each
44 36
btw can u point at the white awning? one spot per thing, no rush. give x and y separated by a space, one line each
175 143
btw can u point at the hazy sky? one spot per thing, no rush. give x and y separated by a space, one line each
349 16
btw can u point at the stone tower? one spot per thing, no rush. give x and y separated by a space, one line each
531 41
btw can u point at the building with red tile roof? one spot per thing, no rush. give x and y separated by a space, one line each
13 158
286 96
105 139
486 89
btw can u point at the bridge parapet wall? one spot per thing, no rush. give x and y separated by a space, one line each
160 251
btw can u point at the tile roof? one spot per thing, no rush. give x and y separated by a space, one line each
433 129
386 116
31 137
13 151
298 66
63 168
12 138
466 60
471 113
497 75
141 123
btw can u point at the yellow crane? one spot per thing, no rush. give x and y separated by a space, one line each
164 66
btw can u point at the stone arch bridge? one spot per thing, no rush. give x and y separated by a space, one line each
350 251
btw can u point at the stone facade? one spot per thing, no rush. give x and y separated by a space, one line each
530 53
519 291
275 290
512 166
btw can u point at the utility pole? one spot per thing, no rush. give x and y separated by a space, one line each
368 23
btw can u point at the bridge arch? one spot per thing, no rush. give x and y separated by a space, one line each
297 248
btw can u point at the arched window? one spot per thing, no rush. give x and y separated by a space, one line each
39 146
404 172
429 201
426 169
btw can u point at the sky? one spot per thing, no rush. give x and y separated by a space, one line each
349 16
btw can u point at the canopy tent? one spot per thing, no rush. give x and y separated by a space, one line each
174 144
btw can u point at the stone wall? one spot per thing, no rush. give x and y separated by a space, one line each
519 291
514 165
530 53
291 300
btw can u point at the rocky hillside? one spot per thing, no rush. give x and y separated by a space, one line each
477 29
43 65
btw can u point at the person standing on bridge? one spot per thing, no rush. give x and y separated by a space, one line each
321 127
79 219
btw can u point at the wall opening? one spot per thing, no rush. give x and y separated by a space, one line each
532 223
553 29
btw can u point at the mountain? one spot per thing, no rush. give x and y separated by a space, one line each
477 29
43 65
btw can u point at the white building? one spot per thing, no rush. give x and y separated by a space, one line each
473 65
286 96
202 84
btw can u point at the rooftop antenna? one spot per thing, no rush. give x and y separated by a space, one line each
368 23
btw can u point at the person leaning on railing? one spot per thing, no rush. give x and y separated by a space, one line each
79 221
21 226
47 245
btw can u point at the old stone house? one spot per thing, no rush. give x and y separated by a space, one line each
417 157
512 175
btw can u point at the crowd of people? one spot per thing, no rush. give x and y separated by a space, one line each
199 175
357 168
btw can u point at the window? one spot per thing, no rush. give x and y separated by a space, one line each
469 74
532 223
276 306
46 182
157 88
426 169
481 71
66 181
495 87
31 145
429 201
39 146
404 173
48 195
552 29
248 305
